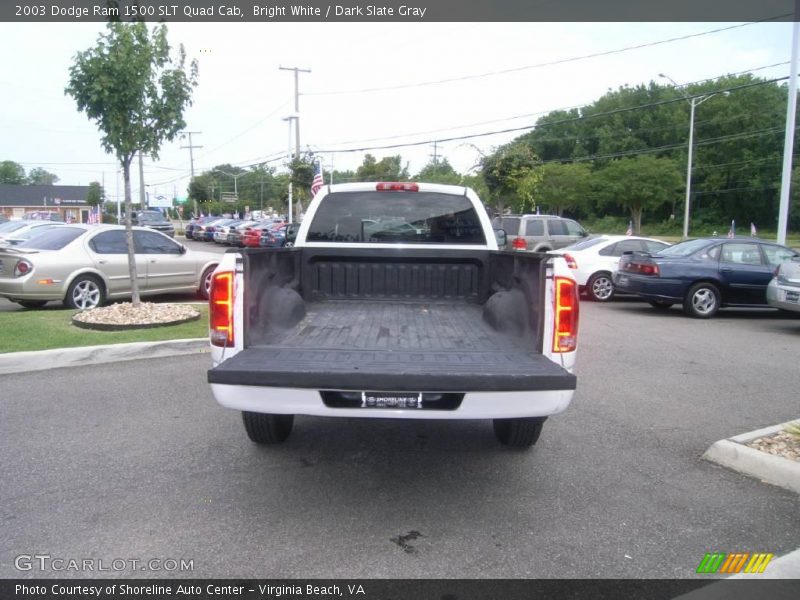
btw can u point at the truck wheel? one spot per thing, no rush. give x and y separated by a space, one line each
600 287
518 433
267 429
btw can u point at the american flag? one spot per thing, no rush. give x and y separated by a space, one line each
732 230
753 231
316 184
630 228
95 215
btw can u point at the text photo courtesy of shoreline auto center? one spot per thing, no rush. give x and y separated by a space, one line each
440 300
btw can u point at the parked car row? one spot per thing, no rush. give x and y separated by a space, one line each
706 274
702 275
237 232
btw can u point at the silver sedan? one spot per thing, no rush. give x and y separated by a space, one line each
784 290
86 265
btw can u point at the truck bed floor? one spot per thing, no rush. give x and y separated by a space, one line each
380 325
393 346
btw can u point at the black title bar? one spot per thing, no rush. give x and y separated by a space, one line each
265 11
389 589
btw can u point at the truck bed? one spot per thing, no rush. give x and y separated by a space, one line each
401 346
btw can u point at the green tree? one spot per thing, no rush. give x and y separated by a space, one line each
200 188
637 184
39 176
12 173
96 194
301 171
565 186
389 168
342 176
136 92
439 171
512 174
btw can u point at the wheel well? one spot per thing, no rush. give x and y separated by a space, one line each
94 275
607 273
212 267
716 284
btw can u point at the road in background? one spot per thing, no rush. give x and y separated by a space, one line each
136 460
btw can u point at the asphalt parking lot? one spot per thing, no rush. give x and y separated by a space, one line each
135 460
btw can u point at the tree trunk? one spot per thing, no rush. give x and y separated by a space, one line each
636 213
126 175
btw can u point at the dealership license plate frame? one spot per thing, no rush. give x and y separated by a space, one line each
391 400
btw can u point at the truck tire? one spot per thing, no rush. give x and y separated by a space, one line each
518 433
267 429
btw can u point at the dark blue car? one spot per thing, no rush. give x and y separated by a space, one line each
703 274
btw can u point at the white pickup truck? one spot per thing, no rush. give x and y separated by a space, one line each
394 301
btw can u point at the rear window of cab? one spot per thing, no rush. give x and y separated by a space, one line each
396 217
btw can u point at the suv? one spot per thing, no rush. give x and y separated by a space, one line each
154 219
539 233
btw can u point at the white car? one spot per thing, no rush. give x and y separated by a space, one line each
14 232
594 261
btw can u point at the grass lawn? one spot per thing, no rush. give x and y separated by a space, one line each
45 329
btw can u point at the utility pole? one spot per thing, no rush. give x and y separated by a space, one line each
788 147
435 154
191 159
297 72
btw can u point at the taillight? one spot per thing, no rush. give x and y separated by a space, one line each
396 186
565 327
640 268
570 261
519 243
648 269
23 268
221 309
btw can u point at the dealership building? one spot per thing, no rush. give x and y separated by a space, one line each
67 200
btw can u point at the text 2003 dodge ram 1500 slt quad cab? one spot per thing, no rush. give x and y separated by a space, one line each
393 302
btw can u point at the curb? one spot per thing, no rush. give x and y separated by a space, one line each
40 360
732 453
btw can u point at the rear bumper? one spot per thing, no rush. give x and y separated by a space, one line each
783 296
651 288
477 405
26 288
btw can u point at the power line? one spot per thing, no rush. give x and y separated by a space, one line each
545 64
557 122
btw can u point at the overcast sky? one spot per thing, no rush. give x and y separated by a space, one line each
242 96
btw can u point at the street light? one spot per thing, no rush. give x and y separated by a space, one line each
235 178
290 119
693 102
